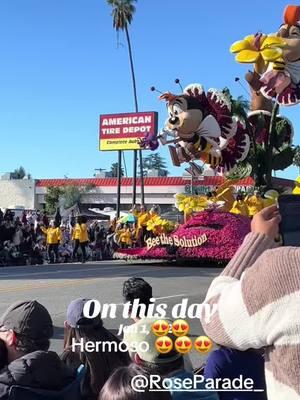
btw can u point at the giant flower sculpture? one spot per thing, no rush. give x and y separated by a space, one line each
258 49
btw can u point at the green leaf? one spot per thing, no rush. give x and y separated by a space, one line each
240 171
281 132
296 160
283 160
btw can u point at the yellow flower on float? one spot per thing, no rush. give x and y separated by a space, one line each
151 224
259 49
296 189
154 222
191 204
202 203
187 204
157 225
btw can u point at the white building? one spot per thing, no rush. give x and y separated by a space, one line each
30 194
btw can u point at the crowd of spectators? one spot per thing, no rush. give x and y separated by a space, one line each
30 371
255 329
34 239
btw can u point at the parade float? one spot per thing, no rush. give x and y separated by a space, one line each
204 131
208 236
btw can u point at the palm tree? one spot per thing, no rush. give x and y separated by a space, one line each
122 13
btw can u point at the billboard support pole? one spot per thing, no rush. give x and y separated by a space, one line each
142 179
119 183
134 178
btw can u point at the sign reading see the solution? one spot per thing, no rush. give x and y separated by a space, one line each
124 131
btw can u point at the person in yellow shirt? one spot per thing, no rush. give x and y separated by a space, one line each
143 218
125 237
136 235
254 203
135 211
53 234
80 238
239 207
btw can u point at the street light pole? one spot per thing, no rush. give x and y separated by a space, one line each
119 182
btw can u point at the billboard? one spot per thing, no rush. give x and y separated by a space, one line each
123 131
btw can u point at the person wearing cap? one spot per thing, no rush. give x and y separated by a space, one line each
26 329
53 234
99 365
170 365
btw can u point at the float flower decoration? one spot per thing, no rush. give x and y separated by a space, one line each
158 226
296 189
258 49
189 204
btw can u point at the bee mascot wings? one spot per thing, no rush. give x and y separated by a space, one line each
202 127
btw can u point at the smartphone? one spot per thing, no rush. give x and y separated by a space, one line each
289 207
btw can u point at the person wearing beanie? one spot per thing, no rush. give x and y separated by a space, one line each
258 302
26 329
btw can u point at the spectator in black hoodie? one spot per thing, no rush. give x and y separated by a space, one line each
26 328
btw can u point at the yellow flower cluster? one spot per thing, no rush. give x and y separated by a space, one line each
158 226
189 204
258 49
296 189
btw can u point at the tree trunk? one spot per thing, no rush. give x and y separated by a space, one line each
136 110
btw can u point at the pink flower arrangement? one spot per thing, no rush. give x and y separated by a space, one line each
224 231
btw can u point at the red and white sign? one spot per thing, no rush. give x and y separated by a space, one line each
124 131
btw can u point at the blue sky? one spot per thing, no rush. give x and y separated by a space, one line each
61 68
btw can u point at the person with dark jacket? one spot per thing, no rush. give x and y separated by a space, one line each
230 363
99 365
26 328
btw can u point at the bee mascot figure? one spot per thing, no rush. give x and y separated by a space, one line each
201 127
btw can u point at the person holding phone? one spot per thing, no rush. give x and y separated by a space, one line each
258 301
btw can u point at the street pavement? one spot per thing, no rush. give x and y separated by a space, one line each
56 285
